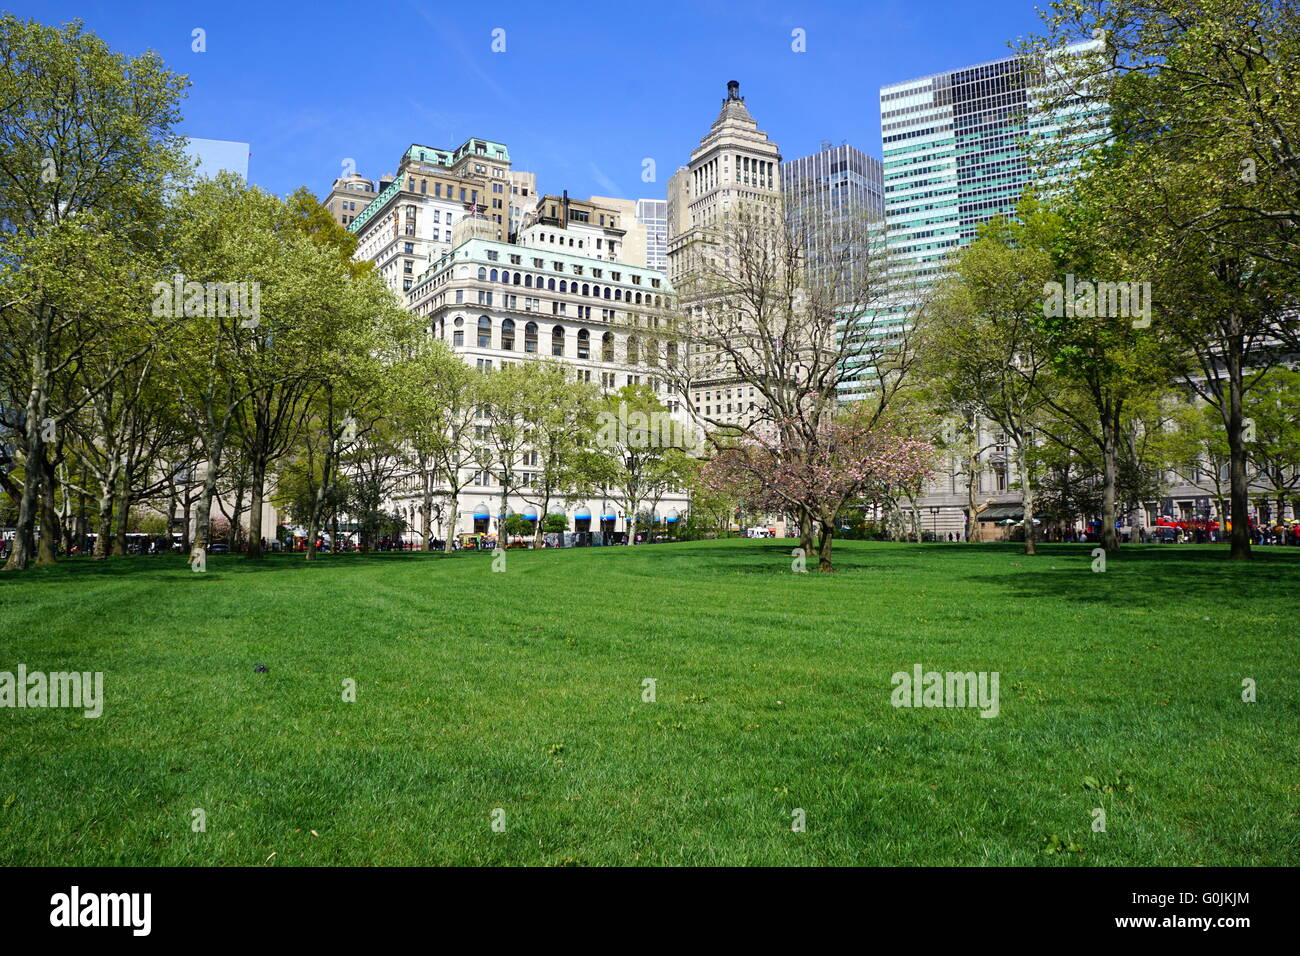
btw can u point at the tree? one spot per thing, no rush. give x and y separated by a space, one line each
1202 180
507 403
803 310
375 466
87 148
1272 434
640 458
1211 88
852 458
561 417
983 348
441 400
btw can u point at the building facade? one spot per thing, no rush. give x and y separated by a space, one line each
409 222
954 158
348 197
830 192
734 169
652 215
496 302
587 227
503 274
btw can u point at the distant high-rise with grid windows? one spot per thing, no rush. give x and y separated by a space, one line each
953 157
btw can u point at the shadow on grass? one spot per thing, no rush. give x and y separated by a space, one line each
158 567
1152 577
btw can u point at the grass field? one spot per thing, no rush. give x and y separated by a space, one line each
523 691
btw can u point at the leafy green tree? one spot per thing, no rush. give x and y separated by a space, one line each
1200 183
642 455
441 403
982 338
87 151
1272 433
561 417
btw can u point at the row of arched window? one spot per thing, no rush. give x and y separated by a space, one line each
506 277
634 350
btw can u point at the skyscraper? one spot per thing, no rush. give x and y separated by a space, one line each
733 172
652 215
831 194
953 157
735 164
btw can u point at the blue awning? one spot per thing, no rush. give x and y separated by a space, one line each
583 513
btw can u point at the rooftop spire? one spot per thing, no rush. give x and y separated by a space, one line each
733 90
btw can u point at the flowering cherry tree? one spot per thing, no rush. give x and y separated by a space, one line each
843 459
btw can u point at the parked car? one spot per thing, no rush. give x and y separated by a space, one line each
218 547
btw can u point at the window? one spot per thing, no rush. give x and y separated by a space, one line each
458 337
530 337
508 335
557 340
584 344
607 347
484 332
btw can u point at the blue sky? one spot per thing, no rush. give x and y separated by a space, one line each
582 94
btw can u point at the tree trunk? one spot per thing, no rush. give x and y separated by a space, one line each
255 509
318 507
237 512
972 489
824 548
103 536
65 514
1027 495
1110 475
1239 486
82 525
203 520
186 513
25 530
46 546
805 532
123 510
453 503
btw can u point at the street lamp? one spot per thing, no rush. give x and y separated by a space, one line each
934 521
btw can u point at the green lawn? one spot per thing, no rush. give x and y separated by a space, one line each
522 691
